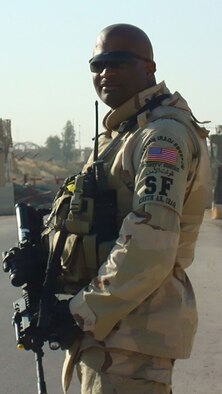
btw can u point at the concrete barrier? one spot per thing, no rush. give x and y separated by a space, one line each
7 200
217 196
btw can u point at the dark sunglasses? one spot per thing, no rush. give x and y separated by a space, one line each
118 59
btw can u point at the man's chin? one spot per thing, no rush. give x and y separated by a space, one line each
112 99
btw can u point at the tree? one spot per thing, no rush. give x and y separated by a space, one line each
68 142
53 145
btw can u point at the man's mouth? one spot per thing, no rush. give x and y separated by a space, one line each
108 87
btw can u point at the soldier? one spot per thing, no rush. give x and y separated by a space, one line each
139 314
133 302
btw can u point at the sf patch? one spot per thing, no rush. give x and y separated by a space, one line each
162 175
151 185
158 189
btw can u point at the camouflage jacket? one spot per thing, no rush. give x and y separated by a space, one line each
142 300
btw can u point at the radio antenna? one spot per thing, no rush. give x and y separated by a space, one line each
96 142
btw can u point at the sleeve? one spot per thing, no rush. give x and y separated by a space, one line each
144 253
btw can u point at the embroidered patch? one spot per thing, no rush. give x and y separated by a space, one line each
164 155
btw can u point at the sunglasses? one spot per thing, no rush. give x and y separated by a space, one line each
116 59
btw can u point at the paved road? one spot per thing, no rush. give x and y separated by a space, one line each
202 373
199 375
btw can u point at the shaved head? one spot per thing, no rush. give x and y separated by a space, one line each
122 63
129 37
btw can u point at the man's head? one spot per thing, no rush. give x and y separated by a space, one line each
122 64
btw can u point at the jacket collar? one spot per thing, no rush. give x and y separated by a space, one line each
114 117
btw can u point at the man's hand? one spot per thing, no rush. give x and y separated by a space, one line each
64 326
25 264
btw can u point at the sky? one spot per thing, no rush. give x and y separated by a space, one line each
46 44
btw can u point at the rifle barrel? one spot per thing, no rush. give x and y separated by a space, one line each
41 385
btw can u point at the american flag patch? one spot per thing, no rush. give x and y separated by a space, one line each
164 155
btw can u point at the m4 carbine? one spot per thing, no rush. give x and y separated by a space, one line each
26 266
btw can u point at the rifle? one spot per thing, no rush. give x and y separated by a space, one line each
28 337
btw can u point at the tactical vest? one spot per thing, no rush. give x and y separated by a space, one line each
88 206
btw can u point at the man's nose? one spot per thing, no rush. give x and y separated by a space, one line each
108 70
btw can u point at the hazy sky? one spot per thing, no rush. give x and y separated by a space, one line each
46 45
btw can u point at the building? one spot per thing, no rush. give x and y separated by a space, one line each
6 185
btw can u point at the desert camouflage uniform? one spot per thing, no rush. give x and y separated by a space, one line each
123 373
141 300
